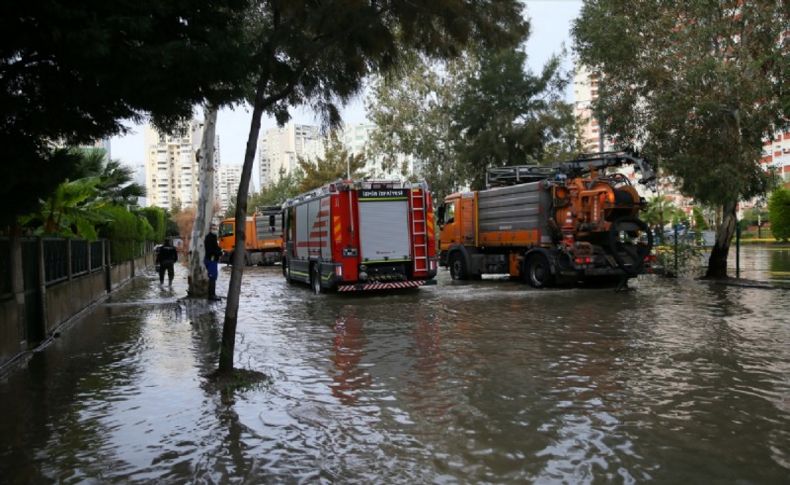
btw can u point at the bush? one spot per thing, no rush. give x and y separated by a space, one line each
779 212
123 231
690 258
158 220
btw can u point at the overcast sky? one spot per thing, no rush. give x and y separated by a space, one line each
550 21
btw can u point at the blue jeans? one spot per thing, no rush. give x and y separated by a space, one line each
211 267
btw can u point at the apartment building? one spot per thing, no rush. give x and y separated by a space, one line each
776 154
229 178
172 166
281 147
585 92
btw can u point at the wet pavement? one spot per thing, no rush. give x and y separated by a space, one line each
490 381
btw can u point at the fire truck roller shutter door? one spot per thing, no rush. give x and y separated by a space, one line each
313 230
384 230
301 231
325 227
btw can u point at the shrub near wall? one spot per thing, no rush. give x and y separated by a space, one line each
158 220
122 231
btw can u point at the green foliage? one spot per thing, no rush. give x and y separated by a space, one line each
458 118
779 212
75 208
692 84
116 182
123 231
690 257
74 72
695 84
755 215
698 216
335 164
157 218
145 232
661 211
285 188
71 211
504 115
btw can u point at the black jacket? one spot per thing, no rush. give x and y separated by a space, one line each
166 255
213 251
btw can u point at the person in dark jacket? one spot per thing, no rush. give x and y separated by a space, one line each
213 252
166 257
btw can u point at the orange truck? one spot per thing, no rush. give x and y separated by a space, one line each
566 223
264 237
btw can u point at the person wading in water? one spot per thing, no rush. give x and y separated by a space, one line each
166 257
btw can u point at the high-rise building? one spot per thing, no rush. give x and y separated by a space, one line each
172 166
355 138
229 178
281 147
585 92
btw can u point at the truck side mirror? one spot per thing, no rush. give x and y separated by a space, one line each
271 220
440 214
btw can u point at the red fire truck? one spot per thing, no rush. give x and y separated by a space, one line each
359 236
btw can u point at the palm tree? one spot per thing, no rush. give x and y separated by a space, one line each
76 206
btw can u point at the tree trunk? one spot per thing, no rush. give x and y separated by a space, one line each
237 271
198 277
717 264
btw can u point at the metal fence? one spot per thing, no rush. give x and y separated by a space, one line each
79 257
64 259
56 260
97 255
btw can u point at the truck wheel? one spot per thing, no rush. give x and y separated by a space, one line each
315 280
457 266
538 271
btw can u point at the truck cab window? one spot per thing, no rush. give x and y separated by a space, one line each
226 229
449 213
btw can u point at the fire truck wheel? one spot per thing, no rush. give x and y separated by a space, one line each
315 280
457 266
538 271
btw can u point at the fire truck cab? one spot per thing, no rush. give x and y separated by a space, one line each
360 235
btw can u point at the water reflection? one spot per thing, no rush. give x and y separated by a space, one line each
491 382
780 264
348 345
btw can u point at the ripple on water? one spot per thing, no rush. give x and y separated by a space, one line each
485 381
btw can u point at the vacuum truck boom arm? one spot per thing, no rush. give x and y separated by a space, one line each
580 166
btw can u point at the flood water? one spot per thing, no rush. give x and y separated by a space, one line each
487 382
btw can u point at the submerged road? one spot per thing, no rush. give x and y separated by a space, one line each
490 381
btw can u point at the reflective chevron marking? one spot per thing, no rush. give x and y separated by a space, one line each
380 285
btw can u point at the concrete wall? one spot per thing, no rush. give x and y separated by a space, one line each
10 322
59 302
120 273
68 298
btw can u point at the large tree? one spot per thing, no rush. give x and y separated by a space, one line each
696 84
336 163
198 275
461 117
319 52
72 73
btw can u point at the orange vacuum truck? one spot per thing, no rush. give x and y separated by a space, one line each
263 241
566 223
